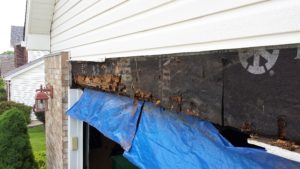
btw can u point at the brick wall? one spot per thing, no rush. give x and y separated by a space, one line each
57 72
6 63
21 56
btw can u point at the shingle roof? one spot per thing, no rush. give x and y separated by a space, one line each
7 63
16 35
19 69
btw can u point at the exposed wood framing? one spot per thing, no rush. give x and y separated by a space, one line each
250 88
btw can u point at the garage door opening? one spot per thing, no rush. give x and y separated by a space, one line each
152 136
101 152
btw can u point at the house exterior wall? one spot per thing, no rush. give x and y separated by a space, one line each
23 86
92 30
56 70
33 55
95 29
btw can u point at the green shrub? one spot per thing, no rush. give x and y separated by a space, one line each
3 96
40 158
26 110
2 90
15 148
2 83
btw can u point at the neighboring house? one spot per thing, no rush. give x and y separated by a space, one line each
7 63
221 50
16 39
22 55
23 81
23 71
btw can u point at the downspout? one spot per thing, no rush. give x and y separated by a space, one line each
8 90
24 29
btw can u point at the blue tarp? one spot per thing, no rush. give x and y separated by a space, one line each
114 116
170 140
166 140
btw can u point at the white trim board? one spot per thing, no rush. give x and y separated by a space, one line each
75 129
277 150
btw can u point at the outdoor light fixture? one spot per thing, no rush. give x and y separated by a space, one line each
41 98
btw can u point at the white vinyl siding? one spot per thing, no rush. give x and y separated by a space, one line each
117 28
23 86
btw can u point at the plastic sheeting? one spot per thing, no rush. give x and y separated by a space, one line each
170 140
114 116
167 140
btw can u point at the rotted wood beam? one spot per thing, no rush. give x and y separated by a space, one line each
248 89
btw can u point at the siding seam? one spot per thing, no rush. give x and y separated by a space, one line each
114 22
74 15
67 10
109 9
58 9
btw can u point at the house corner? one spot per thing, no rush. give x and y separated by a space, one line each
57 74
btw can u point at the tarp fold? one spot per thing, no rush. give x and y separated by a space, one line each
114 116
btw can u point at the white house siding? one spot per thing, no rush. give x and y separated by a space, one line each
33 55
23 86
115 28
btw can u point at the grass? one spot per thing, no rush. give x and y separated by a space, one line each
37 138
38 144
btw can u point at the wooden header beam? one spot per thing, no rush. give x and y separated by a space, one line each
248 89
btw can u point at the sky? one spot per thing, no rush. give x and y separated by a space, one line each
12 12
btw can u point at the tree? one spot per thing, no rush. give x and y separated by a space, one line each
15 148
7 52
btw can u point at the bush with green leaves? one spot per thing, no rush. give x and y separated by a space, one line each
26 110
15 148
2 83
3 96
2 90
40 158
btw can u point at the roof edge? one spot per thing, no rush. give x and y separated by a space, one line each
23 68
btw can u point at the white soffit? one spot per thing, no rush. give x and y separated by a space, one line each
39 16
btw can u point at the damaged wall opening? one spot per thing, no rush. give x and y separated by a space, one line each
244 92
153 137
249 89
101 152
